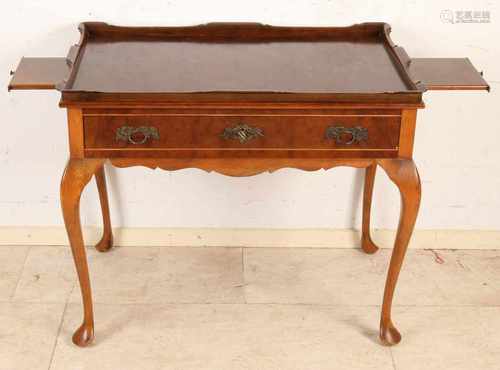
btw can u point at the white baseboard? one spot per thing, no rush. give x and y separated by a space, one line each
205 237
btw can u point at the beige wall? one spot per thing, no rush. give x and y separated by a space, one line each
457 143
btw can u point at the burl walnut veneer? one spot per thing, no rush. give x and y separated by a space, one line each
241 99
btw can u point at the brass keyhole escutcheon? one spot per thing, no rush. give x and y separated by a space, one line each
243 133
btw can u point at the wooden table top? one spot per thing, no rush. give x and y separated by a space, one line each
240 63
240 59
279 66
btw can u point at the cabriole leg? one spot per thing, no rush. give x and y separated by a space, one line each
77 174
106 241
366 241
404 174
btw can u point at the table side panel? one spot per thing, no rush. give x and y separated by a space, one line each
75 132
407 133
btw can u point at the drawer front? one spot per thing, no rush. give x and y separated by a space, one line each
246 132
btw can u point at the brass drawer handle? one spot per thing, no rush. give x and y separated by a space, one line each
242 132
136 135
339 133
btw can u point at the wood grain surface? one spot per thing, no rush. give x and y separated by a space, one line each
239 62
447 74
39 74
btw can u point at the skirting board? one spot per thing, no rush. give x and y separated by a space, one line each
300 238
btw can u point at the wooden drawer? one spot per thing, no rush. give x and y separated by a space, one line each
258 134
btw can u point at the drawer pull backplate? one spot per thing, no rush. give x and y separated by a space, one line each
346 135
136 135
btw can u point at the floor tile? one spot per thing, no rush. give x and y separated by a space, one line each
221 337
333 276
28 334
11 264
443 338
151 309
166 275
48 276
465 277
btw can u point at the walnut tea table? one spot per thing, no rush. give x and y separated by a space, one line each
241 99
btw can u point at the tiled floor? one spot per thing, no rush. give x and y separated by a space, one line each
252 308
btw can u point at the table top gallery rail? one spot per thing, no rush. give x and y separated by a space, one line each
241 99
